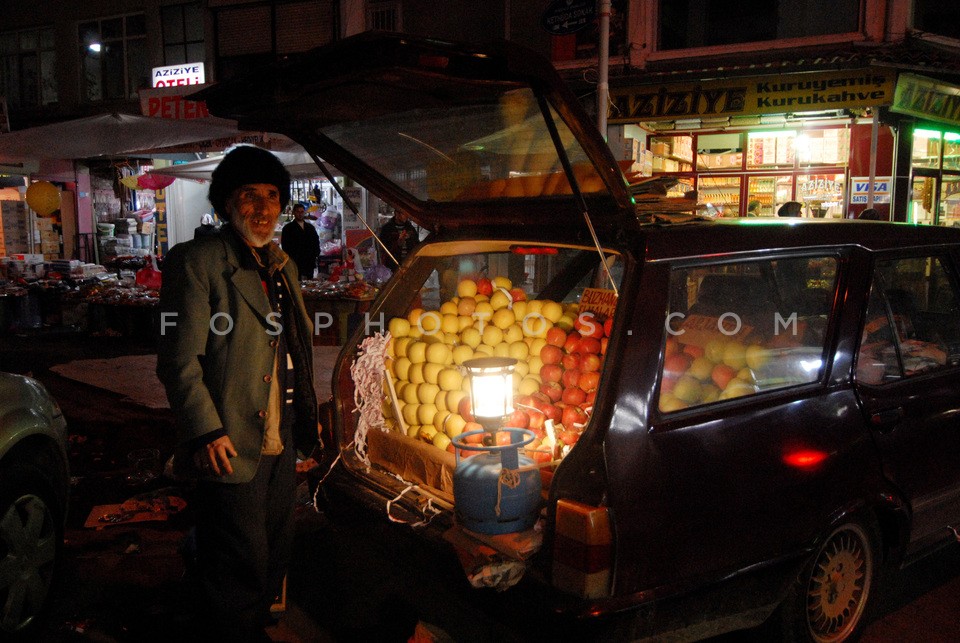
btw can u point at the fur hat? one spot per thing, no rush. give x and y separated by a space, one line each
244 165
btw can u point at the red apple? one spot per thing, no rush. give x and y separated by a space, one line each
536 421
590 363
589 345
540 455
463 408
553 412
603 345
588 326
556 336
607 326
569 437
518 419
591 398
572 345
572 417
570 361
676 365
473 439
668 382
570 378
518 294
553 390
484 286
573 395
588 381
504 438
550 354
693 350
722 374
671 347
550 373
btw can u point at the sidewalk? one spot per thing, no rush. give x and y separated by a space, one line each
122 582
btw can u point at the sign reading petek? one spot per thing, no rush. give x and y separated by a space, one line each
171 75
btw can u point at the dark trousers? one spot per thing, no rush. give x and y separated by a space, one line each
244 539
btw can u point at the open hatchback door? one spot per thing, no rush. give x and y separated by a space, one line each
456 137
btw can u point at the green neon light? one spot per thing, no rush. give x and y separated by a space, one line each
927 133
950 136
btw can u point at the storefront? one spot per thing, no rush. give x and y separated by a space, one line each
931 118
749 145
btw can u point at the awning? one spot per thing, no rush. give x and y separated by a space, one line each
299 164
109 135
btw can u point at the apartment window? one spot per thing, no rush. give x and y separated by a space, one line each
113 56
384 16
28 61
706 23
937 17
182 33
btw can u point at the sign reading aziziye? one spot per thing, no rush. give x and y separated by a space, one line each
752 95
927 98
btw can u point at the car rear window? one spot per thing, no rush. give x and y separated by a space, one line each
741 328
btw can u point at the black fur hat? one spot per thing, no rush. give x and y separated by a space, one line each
243 165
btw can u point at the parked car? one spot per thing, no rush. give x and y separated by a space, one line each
34 489
733 420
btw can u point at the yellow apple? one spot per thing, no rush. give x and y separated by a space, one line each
450 323
670 403
503 318
417 352
552 311
439 354
757 356
427 433
399 327
688 389
735 354
409 393
453 425
467 288
500 299
427 393
462 353
466 306
401 368
513 333
425 413
410 413
450 379
431 372
470 337
502 282
483 350
441 441
528 386
492 335
448 308
518 351
415 373
701 368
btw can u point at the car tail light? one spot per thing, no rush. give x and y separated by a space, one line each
582 549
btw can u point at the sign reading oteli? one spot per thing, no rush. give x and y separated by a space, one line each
171 75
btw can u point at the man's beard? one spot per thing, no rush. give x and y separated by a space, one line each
242 226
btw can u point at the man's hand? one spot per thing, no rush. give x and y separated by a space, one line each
214 457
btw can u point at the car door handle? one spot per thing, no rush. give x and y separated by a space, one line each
887 418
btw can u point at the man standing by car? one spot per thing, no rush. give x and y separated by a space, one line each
300 240
400 237
235 358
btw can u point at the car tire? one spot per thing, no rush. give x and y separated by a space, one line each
831 599
31 537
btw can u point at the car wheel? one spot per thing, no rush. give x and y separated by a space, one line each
30 539
829 601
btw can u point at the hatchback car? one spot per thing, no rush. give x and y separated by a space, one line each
730 419
34 489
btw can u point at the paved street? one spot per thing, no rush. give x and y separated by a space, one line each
355 579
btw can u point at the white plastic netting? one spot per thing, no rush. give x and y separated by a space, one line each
367 371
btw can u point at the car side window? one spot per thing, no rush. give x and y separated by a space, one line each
746 327
912 324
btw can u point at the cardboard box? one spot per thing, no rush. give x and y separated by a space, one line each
413 460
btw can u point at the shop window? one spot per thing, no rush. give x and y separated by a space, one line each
913 321
182 33
28 62
687 24
719 152
740 329
113 57
771 150
720 194
926 148
384 16
672 153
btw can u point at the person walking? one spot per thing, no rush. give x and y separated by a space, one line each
235 358
300 240
400 237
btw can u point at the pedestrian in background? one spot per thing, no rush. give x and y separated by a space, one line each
300 240
871 214
206 227
790 209
236 360
400 237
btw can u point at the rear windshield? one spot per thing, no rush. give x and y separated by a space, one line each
469 146
742 328
549 308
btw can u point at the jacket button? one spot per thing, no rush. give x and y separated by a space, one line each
273 343
267 378
261 413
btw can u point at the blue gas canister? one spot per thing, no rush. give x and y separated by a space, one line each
492 495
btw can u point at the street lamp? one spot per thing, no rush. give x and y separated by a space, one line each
491 391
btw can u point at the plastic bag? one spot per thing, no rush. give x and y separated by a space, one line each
150 276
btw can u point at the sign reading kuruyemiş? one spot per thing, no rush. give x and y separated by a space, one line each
752 95
927 98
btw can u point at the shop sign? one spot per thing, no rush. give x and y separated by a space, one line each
599 301
174 75
172 103
752 95
860 186
564 17
927 98
820 189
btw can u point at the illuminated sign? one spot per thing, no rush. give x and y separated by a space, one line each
927 98
752 95
860 185
172 75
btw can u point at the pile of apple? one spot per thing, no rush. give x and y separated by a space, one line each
559 353
722 368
